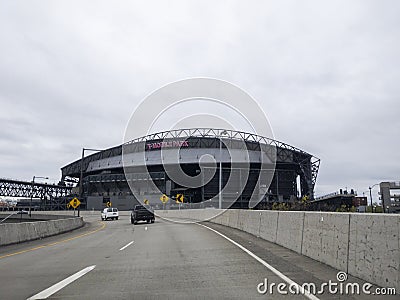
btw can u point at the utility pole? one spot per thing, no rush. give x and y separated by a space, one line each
32 187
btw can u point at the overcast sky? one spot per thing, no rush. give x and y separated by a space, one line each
325 72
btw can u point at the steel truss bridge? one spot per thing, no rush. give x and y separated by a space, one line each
52 196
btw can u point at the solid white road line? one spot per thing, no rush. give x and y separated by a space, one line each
58 286
127 245
271 268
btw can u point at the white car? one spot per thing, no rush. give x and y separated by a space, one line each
110 213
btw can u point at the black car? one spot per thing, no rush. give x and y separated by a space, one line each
142 213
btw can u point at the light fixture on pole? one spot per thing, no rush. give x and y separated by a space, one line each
224 132
33 183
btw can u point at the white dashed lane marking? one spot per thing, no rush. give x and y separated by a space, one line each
126 246
62 284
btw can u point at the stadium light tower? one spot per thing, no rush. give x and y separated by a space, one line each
33 183
224 132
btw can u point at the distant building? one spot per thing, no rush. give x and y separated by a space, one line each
390 200
337 201
359 201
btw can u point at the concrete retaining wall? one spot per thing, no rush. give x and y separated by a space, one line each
20 232
374 249
249 221
326 238
363 245
269 225
35 216
290 230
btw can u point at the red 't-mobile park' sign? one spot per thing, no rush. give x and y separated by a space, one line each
169 144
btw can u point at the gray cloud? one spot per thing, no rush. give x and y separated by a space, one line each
326 73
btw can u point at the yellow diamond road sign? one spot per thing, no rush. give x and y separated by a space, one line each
164 198
179 198
109 204
75 202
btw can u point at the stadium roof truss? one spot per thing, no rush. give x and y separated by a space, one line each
284 152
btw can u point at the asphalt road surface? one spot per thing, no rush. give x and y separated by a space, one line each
164 260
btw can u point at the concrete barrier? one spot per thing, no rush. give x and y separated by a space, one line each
290 230
190 215
326 238
232 218
224 218
269 225
12 233
374 253
35 217
249 221
363 245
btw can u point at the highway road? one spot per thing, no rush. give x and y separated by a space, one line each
164 260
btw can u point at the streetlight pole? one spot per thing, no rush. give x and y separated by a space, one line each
370 195
81 174
33 184
220 169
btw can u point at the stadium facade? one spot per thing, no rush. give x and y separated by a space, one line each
139 169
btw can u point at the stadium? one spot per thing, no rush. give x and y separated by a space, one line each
244 165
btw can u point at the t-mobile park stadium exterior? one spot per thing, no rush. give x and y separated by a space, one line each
194 165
